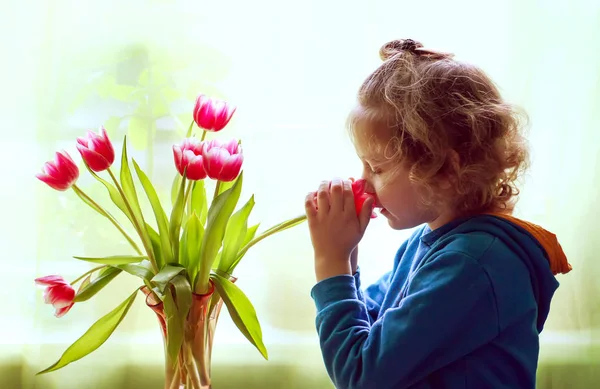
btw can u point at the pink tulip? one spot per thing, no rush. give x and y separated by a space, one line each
61 173
222 160
360 196
58 292
188 154
96 150
212 114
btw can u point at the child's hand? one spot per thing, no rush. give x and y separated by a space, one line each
335 229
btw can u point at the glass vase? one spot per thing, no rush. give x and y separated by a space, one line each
192 369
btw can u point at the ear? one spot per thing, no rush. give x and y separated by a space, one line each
452 166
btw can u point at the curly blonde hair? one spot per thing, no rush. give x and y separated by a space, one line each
446 121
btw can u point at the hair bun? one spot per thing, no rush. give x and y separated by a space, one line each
394 47
397 46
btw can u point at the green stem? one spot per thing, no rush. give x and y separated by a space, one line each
204 132
109 217
86 273
147 246
217 187
267 233
189 131
187 193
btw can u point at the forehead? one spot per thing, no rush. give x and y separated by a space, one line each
370 138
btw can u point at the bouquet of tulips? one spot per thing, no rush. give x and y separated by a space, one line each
187 257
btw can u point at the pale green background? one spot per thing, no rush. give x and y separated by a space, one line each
293 68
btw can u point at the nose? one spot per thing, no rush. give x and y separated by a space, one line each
368 186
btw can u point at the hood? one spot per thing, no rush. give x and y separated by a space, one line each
526 239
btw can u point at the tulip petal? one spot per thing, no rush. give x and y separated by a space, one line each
60 312
94 160
214 160
59 295
50 280
66 166
195 169
106 148
178 158
223 116
53 182
232 167
232 146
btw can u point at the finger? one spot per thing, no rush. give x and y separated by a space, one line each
336 195
323 197
365 213
310 205
348 197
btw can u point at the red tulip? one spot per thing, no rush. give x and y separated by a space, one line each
360 196
61 173
188 154
222 160
96 150
212 114
58 292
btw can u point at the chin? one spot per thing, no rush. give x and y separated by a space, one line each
400 224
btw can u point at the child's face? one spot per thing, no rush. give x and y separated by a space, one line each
396 195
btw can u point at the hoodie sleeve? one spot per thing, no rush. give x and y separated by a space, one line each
449 311
373 295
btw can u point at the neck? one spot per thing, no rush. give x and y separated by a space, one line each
442 219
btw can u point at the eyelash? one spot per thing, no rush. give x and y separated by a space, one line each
374 171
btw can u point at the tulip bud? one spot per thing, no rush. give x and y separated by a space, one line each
61 173
96 150
212 114
222 160
58 292
360 196
188 157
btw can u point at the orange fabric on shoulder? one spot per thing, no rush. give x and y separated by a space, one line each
556 256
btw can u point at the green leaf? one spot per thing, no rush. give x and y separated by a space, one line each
92 205
104 277
224 185
241 311
174 327
131 195
218 215
175 188
176 218
163 277
198 201
183 295
190 129
115 259
217 261
273 230
250 233
156 246
159 213
94 337
114 194
142 270
235 235
192 239
84 283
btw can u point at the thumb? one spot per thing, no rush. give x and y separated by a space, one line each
365 213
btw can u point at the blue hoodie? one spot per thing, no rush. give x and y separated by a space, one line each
462 308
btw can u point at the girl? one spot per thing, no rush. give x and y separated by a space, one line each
470 290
